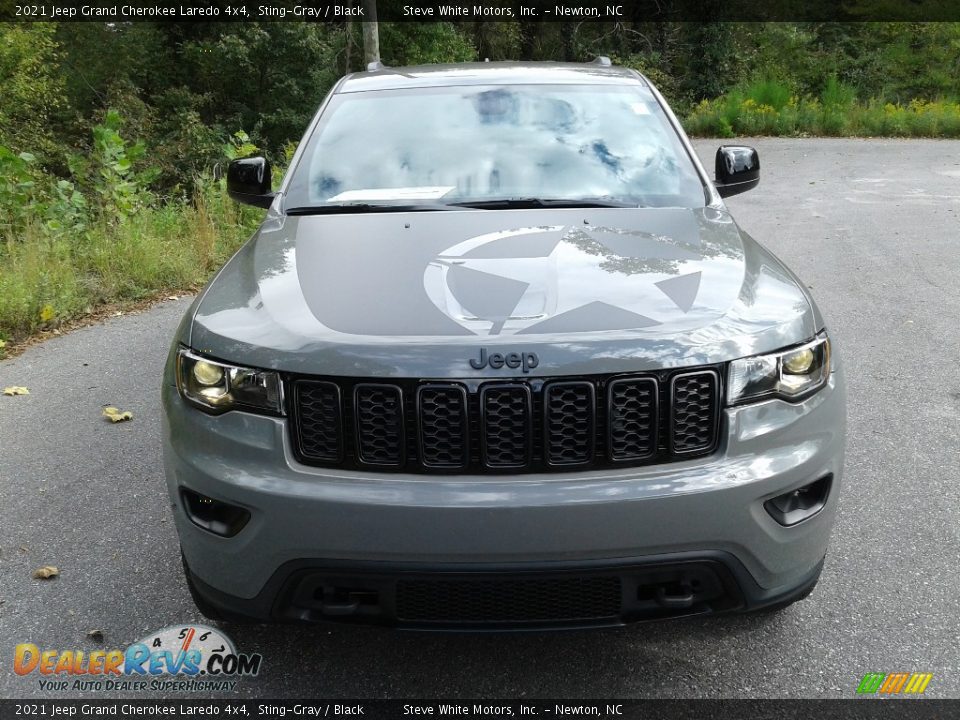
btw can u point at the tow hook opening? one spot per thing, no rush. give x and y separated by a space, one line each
801 503
676 596
691 591
334 600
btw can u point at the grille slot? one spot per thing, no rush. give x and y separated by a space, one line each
444 430
516 425
318 420
694 411
379 421
502 600
569 421
505 421
632 409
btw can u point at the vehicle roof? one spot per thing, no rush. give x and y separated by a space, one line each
489 73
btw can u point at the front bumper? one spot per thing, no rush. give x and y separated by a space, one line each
313 527
514 597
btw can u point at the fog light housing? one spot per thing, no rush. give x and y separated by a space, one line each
800 503
214 516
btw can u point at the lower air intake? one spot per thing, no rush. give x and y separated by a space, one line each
509 600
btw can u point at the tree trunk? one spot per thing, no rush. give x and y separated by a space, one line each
348 48
481 40
371 32
567 32
528 38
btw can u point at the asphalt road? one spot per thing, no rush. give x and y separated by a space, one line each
871 225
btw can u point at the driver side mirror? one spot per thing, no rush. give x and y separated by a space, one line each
249 181
737 169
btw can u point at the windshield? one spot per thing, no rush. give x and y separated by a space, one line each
456 145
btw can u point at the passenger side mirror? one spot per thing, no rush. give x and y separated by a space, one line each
737 170
249 181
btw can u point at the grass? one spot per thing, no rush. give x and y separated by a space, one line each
47 279
769 108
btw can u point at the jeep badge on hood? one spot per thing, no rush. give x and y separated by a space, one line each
513 360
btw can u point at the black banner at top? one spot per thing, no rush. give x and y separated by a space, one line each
573 11
245 709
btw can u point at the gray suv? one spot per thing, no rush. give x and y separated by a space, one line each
499 358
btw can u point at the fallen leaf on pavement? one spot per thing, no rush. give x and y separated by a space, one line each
15 390
115 415
45 573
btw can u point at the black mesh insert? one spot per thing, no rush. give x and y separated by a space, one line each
632 407
509 600
694 408
443 426
506 417
318 423
570 410
379 420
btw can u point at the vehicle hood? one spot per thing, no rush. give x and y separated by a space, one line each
418 294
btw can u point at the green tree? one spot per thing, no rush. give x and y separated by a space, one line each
31 89
710 50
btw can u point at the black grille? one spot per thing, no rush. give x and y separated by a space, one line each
509 600
444 432
506 417
379 419
694 408
632 407
569 422
533 425
318 424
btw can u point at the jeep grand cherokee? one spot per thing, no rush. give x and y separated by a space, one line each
499 357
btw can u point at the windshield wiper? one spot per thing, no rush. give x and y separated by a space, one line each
496 204
363 207
534 202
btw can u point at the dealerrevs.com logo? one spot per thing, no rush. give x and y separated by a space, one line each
188 658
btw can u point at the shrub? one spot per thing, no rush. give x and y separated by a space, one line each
769 92
835 112
64 252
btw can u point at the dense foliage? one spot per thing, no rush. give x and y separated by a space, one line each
182 88
110 134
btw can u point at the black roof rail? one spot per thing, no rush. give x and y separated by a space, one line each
602 61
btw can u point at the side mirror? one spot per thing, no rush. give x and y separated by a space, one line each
249 181
738 169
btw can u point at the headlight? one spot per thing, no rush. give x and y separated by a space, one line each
217 387
788 374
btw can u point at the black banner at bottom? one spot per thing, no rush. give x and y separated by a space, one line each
610 709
